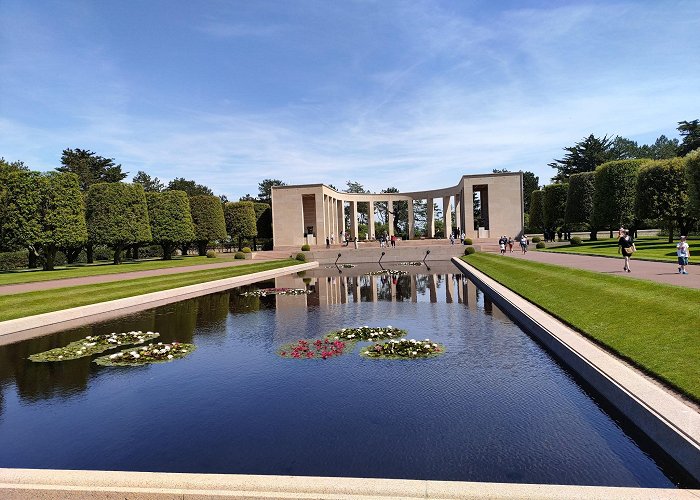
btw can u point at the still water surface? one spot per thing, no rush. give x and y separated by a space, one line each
494 407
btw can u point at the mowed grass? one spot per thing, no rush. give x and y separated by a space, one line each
31 303
652 248
100 268
656 327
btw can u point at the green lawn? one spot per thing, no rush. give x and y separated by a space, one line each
652 248
654 326
80 270
31 303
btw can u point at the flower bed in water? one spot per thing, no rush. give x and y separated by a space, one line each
307 349
92 344
388 272
367 333
404 349
151 353
276 291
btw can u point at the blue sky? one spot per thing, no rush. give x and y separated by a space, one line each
409 94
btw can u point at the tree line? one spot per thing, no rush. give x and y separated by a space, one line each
605 183
84 203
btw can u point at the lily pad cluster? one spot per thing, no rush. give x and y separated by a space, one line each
404 349
345 266
151 353
307 349
389 272
93 344
262 292
337 342
410 263
367 333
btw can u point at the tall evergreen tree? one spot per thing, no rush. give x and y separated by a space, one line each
189 187
690 132
90 167
584 156
150 185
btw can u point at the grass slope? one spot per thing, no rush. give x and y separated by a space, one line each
654 326
81 270
658 249
31 303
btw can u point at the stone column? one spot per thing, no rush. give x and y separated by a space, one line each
430 216
373 284
411 230
353 219
370 225
469 211
458 213
414 288
433 289
339 217
321 228
447 215
390 216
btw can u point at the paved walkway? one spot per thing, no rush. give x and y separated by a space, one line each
109 278
662 272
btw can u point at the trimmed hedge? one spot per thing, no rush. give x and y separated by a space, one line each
246 250
239 255
468 241
469 250
9 261
211 254
536 239
301 257
576 241
541 244
305 248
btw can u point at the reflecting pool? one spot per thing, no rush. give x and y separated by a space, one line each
495 407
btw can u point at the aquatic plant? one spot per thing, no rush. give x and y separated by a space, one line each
403 349
93 344
308 349
148 354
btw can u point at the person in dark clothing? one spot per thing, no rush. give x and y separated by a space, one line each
625 245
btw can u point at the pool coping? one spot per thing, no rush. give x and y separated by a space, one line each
14 330
25 484
664 418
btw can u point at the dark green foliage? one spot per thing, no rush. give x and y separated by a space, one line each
575 241
117 216
246 250
305 248
9 261
579 200
537 210
211 254
21 223
5 169
584 156
626 149
240 220
690 131
150 185
239 255
530 183
692 175
171 221
90 167
263 217
536 239
301 257
265 189
468 241
554 204
541 244
614 196
208 218
469 250
662 193
189 187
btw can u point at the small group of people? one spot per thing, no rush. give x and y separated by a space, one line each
385 240
505 241
626 246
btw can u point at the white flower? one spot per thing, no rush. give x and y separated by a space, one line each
435 345
414 353
170 356
60 357
134 353
114 356
136 356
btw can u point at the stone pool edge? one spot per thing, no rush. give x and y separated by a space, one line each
24 484
14 330
666 419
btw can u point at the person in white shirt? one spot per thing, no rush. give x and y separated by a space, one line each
683 253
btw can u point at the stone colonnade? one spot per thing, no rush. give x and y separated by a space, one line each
311 213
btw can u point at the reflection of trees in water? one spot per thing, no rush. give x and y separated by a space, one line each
212 311
177 321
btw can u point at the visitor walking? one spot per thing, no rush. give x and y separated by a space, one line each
393 240
625 244
510 243
683 253
328 242
332 238
524 242
502 241
462 237
452 239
